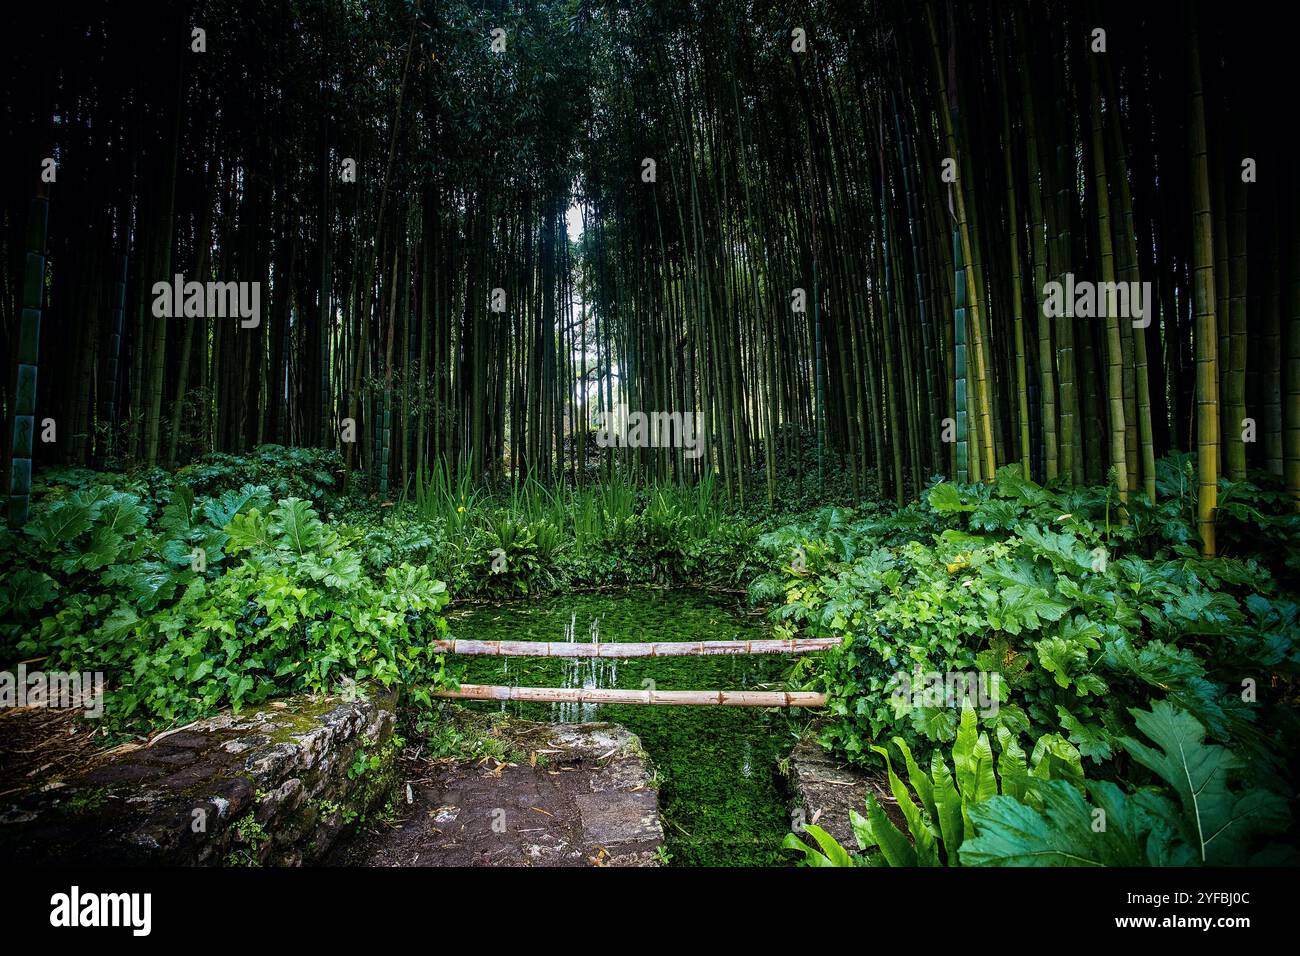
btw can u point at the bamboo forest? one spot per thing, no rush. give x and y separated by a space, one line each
682 433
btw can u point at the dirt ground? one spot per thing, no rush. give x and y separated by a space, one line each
41 745
827 790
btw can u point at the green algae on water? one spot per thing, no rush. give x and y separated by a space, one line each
720 795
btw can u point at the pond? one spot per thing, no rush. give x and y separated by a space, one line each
721 798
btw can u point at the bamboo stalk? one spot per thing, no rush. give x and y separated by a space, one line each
671 698
982 410
1205 299
1114 341
630 649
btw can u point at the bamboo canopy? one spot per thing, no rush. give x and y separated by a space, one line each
669 698
631 649
1010 151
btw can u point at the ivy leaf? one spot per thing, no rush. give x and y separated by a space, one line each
119 624
935 723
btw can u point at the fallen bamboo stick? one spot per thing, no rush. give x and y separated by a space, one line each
595 695
647 649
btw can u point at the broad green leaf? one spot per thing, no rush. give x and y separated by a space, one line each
1010 482
917 778
1012 769
221 511
121 514
1061 548
1066 832
103 549
23 591
1219 821
60 524
178 514
1061 659
810 856
894 845
296 525
1055 758
947 807
935 723
1090 737
945 498
118 624
923 837
861 830
249 532
829 846
981 773
963 748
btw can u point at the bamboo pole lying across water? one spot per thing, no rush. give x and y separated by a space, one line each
593 695
648 649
